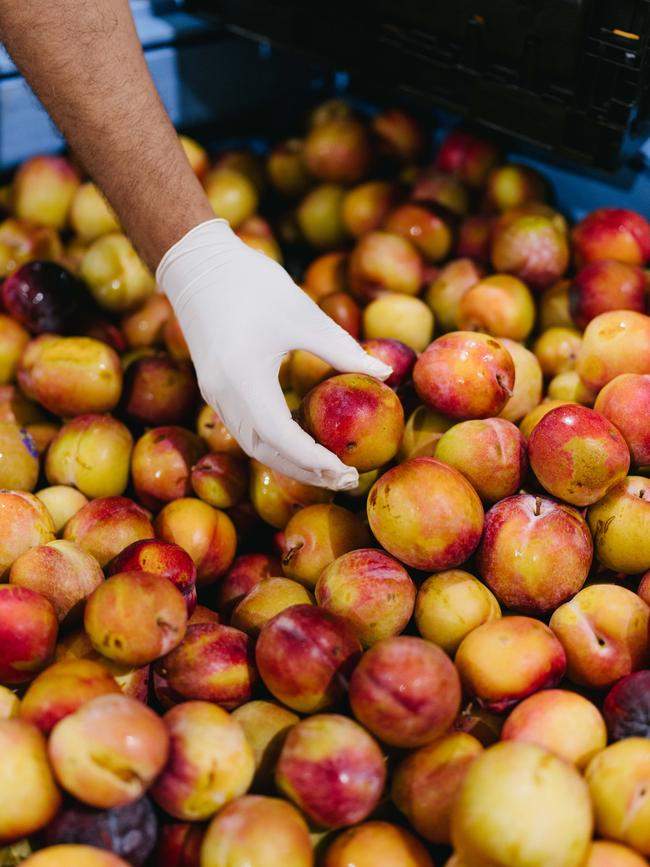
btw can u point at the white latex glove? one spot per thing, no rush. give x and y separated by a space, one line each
240 313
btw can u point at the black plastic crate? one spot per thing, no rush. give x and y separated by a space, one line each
572 76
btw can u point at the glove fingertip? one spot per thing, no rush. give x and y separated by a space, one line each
361 361
378 369
347 480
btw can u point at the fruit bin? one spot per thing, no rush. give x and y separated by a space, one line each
205 664
570 76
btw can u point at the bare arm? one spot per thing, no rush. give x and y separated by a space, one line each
84 61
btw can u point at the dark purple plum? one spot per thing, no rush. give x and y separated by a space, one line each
400 357
44 297
128 831
627 707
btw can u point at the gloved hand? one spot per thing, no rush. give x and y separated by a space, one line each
240 313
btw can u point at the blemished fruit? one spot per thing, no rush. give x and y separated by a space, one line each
126 735
135 617
619 524
577 454
206 663
357 417
401 502
71 376
465 375
614 343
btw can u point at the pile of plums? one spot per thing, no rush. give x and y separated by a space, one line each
204 663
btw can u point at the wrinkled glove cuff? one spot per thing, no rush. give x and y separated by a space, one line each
186 261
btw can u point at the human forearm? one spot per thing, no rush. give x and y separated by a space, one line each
84 62
240 312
